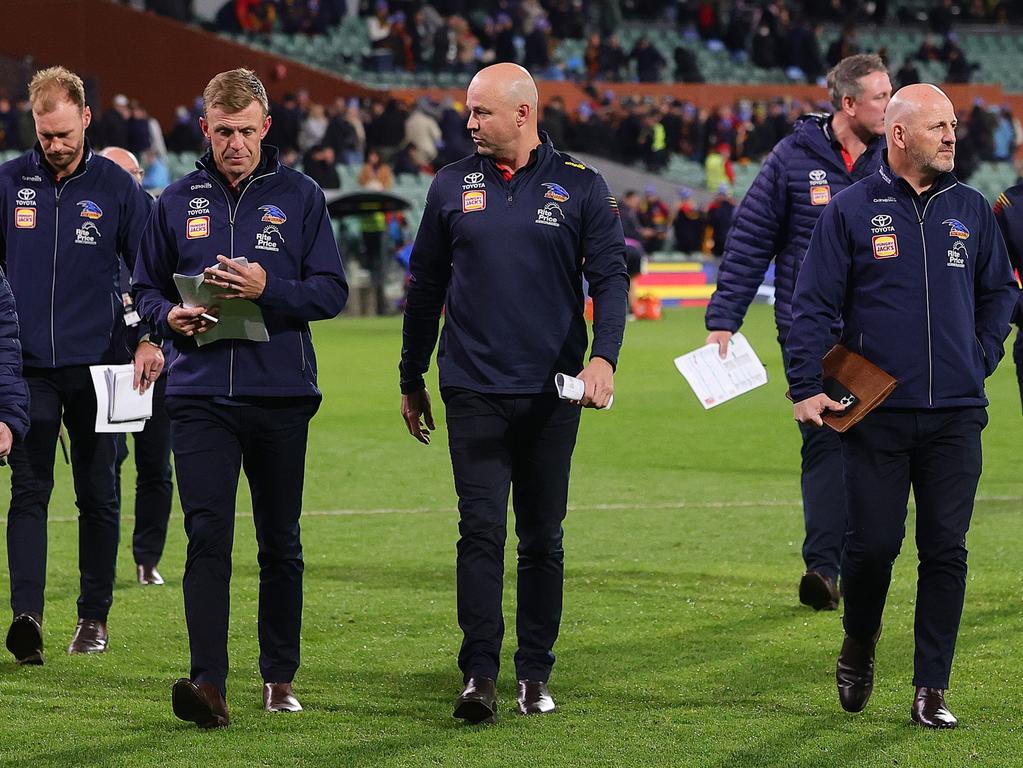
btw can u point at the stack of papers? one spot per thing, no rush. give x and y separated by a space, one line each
239 318
715 381
119 407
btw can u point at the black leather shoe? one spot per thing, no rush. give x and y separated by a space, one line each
818 591
148 575
855 673
25 638
202 704
90 637
534 698
478 702
930 710
280 697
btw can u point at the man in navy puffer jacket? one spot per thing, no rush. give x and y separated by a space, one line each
824 155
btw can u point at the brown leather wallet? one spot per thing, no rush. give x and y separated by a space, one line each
862 378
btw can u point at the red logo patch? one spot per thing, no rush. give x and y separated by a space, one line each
25 218
820 195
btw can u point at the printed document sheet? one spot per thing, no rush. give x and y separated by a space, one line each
715 381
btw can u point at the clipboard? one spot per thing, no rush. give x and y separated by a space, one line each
869 384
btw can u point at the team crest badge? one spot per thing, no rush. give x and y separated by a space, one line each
90 210
555 192
957 229
272 214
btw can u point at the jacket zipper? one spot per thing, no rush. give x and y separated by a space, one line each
53 284
232 213
927 295
301 345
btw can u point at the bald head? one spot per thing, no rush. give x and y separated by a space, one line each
920 125
508 82
502 102
914 100
125 159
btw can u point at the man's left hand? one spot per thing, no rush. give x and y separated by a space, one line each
599 378
244 281
148 366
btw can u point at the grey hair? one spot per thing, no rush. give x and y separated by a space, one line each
844 77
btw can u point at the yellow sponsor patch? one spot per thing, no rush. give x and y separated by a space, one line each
474 200
198 226
25 218
580 166
885 246
820 195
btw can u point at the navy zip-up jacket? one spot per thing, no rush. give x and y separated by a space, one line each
280 221
62 246
1008 211
14 397
506 260
922 285
776 217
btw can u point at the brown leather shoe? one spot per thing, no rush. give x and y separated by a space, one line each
279 697
148 575
855 673
534 698
25 638
202 704
90 637
818 591
478 702
930 710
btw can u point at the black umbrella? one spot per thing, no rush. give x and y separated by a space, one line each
363 202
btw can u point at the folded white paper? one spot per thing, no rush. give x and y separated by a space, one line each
715 381
571 388
119 408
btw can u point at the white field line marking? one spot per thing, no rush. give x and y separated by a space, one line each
770 503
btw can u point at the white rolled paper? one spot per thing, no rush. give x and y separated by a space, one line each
571 388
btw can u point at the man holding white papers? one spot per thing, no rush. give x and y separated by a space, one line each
508 272
823 155
68 220
237 402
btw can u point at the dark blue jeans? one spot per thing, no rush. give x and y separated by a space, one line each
937 453
154 484
523 445
63 393
213 442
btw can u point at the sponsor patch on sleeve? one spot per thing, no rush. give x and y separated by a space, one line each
197 226
474 200
820 194
25 218
885 246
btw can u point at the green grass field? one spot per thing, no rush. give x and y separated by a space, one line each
683 643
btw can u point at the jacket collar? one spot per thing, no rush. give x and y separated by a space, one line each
888 176
39 162
269 162
814 131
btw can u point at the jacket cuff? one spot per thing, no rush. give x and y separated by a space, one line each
413 385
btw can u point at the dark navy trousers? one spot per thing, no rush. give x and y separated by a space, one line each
522 445
1017 356
154 485
213 441
63 393
824 507
937 453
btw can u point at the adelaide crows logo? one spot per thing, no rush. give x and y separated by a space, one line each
90 210
273 214
957 229
555 192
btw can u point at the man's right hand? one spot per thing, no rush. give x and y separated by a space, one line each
721 338
6 440
809 411
418 415
187 320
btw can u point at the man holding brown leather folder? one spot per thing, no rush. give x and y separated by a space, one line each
913 265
